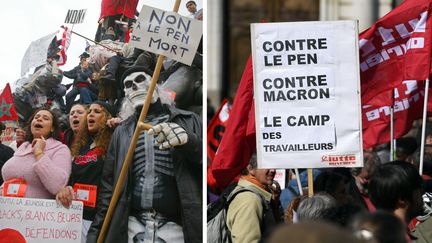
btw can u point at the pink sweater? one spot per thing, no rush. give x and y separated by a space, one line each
44 177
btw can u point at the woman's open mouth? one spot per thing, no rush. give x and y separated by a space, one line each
91 121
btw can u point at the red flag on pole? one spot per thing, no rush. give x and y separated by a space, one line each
65 42
238 142
7 107
394 53
215 130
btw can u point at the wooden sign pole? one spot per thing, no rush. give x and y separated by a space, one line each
310 183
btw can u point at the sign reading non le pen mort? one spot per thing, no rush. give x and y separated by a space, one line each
167 33
39 220
307 94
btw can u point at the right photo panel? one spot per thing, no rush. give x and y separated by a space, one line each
318 125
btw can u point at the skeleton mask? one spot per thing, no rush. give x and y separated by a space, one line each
136 86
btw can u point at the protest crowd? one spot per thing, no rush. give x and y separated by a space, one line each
72 140
385 199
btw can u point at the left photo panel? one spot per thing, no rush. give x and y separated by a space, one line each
101 121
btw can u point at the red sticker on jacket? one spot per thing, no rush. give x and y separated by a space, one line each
15 187
86 193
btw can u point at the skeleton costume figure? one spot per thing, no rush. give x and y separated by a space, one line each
162 192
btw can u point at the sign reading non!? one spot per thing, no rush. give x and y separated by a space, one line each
307 95
75 16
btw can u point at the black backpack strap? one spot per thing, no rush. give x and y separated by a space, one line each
234 193
264 203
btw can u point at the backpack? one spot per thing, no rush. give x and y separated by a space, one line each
217 230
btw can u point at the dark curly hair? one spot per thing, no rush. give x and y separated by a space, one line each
55 126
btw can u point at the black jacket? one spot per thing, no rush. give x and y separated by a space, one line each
188 174
6 153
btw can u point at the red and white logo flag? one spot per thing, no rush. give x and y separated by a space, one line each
394 53
215 131
216 128
65 43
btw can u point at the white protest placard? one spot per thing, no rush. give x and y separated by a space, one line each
40 220
36 53
167 33
280 177
8 133
307 94
75 16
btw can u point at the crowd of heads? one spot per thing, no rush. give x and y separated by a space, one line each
383 201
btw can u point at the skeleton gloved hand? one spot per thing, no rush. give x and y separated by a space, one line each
168 135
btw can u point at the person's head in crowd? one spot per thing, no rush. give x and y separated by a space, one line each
397 187
290 214
405 146
341 214
83 57
428 133
312 208
378 227
94 126
110 34
427 162
191 6
332 183
43 123
362 175
84 64
263 176
312 232
76 113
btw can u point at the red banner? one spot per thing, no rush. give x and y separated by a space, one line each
7 107
118 7
394 53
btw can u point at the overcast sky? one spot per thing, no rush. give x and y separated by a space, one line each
27 20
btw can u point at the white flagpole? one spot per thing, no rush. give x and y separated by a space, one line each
297 174
423 135
391 132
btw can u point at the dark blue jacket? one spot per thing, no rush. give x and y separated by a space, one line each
78 75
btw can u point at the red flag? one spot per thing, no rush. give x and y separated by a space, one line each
215 131
238 142
7 107
65 42
394 53
216 128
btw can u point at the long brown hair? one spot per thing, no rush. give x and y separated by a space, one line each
101 139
